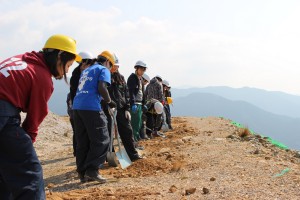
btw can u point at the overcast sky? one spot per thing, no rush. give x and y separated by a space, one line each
190 43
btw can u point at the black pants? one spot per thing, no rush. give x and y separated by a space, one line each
92 139
168 115
21 174
153 122
125 132
74 137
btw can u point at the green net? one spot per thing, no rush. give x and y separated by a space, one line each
272 141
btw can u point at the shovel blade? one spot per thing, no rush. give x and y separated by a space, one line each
112 159
123 158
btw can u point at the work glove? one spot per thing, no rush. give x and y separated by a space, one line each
112 104
127 115
145 109
134 108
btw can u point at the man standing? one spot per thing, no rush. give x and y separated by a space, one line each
136 88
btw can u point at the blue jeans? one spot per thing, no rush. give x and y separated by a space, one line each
21 174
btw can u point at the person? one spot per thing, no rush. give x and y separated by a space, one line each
154 110
26 85
154 90
143 135
90 121
136 96
118 92
168 101
86 59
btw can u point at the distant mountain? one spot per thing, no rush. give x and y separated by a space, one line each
57 102
276 102
282 128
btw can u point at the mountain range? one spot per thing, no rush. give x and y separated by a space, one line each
273 114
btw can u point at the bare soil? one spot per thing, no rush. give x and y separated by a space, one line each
197 160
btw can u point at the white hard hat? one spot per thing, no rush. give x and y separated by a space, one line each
86 55
116 60
146 77
158 107
140 63
166 83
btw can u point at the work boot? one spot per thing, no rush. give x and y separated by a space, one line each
154 134
144 136
95 176
136 157
82 178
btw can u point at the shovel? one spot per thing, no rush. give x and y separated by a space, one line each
111 155
120 151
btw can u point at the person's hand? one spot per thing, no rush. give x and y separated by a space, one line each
128 115
112 104
134 108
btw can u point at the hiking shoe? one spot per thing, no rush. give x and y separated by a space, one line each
95 176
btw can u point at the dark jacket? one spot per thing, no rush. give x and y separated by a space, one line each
118 91
133 84
74 81
154 90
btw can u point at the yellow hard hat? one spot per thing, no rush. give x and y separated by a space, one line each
63 43
169 100
109 56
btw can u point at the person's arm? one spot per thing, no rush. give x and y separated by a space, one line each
131 83
37 109
102 89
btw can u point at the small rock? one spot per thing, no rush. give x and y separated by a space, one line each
190 191
297 155
187 138
164 150
179 142
268 158
212 179
256 151
50 185
173 189
205 190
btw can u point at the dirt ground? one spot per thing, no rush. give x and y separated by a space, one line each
202 158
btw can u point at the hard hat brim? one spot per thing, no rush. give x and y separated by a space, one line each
78 58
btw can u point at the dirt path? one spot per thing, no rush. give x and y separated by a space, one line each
195 158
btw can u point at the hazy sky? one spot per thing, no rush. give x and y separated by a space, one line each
196 43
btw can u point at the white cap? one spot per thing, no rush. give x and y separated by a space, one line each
146 77
166 83
140 63
158 107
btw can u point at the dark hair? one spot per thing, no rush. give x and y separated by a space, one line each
51 56
88 61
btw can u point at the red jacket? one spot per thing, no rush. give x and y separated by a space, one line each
25 82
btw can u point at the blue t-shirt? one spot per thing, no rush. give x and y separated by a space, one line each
87 95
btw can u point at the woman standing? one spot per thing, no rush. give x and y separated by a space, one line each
26 85
90 121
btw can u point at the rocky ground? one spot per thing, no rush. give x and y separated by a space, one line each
202 158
